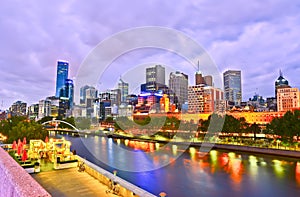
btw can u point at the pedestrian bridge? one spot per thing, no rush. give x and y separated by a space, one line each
57 122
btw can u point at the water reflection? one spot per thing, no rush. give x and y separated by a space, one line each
200 174
297 173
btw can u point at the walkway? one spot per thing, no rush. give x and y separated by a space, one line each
70 182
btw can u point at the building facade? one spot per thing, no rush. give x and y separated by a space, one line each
205 99
233 86
18 108
281 82
123 87
62 75
288 99
178 83
87 92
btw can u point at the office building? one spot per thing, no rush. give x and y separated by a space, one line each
88 92
18 108
155 79
233 86
281 82
44 108
205 99
123 87
155 74
288 99
62 76
69 89
178 83
33 111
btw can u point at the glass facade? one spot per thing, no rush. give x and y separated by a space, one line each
233 86
123 87
69 86
178 83
62 76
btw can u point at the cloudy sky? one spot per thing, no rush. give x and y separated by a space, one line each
257 37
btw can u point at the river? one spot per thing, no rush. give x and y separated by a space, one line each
178 172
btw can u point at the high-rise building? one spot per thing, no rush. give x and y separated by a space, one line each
54 105
199 79
33 111
44 108
69 87
281 82
233 86
178 83
87 92
113 96
208 80
62 75
18 108
155 79
155 74
205 99
123 87
288 99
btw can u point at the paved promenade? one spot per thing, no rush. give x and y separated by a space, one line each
70 182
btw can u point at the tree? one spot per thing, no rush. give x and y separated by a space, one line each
45 119
287 126
254 128
83 123
30 130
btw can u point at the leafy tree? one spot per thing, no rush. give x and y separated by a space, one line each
254 128
18 127
83 123
45 119
69 120
287 126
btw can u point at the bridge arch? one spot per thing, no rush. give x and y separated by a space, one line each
60 121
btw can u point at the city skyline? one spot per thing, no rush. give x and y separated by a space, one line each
36 35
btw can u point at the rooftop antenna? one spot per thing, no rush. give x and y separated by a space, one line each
198 66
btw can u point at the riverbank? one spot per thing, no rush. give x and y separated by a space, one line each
206 146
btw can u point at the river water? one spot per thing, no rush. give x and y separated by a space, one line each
181 171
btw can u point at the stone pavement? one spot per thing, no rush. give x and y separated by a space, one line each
70 182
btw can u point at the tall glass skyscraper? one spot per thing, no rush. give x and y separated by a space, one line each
178 83
62 76
233 86
123 86
69 86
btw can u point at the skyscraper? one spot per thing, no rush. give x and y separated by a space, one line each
69 87
123 87
155 78
87 92
199 79
155 74
62 75
281 82
233 86
18 108
178 83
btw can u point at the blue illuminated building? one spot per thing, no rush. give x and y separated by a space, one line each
62 76
69 86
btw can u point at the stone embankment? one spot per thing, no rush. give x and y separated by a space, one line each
15 181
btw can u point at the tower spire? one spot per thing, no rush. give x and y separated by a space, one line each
280 72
